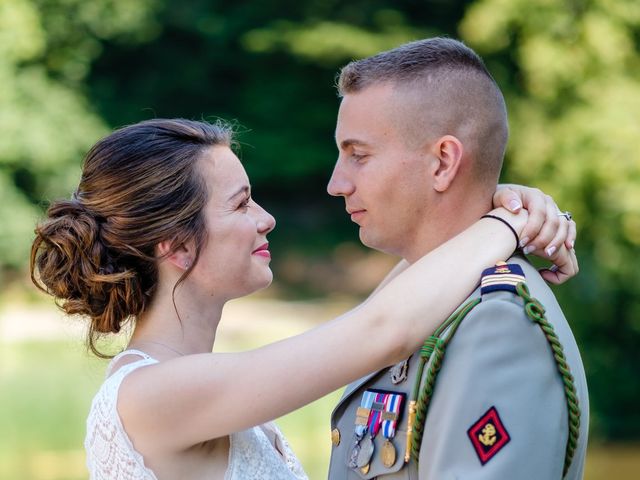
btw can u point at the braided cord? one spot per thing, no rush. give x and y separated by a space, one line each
433 346
535 311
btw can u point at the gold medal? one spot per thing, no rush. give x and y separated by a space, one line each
388 454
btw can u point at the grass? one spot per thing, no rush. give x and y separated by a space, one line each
46 388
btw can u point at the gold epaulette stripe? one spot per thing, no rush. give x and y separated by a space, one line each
495 279
502 280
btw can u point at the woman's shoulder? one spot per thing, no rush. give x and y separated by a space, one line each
128 357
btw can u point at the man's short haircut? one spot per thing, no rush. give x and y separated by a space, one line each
451 92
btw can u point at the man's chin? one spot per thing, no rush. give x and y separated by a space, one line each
369 240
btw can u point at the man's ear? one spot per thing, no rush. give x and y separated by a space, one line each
448 151
181 257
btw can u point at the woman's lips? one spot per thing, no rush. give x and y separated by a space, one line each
262 251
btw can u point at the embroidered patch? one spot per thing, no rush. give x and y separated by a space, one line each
488 435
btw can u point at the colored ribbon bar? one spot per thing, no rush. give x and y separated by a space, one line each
377 408
392 406
366 402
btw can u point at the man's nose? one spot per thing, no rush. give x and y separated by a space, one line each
339 183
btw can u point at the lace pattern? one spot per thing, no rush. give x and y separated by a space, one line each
111 455
252 456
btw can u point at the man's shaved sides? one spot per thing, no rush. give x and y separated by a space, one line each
461 103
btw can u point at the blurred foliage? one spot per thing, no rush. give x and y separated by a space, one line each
570 70
46 51
73 69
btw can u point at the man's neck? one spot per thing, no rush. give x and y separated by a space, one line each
446 223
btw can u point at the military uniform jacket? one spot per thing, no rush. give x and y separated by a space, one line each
498 365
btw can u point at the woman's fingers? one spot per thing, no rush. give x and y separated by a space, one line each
542 226
565 266
535 203
570 242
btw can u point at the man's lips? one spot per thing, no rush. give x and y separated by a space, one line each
262 251
355 213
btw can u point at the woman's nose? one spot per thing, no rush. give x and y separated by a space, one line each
266 222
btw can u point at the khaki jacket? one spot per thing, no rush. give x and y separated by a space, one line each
497 361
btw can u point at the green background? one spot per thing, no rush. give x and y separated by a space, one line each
71 70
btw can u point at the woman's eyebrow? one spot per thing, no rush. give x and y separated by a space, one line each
246 189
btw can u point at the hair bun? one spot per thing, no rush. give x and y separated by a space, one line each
74 265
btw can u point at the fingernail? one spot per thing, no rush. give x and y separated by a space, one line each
572 243
553 268
524 241
515 205
528 249
549 251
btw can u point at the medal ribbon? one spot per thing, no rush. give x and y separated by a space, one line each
392 405
366 402
375 417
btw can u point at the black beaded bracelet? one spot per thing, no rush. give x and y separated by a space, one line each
507 224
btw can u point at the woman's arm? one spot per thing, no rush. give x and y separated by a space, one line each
179 403
544 230
546 235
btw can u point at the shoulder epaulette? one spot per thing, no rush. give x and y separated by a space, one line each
501 277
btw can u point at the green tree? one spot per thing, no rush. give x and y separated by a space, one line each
46 51
571 70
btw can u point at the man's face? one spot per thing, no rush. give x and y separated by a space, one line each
383 179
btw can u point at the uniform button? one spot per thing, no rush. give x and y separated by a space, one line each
335 437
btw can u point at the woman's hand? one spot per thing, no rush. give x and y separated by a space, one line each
546 234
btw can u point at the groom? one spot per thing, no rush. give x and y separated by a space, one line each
421 133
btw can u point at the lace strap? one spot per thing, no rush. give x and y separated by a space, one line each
131 351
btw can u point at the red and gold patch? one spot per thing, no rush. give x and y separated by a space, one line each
488 435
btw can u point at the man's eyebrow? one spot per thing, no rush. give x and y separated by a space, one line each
350 142
244 189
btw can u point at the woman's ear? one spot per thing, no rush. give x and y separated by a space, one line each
180 257
448 151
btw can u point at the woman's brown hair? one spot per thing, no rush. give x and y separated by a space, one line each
140 186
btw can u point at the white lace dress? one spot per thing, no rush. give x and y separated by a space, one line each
111 456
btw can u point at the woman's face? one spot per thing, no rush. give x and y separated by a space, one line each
235 260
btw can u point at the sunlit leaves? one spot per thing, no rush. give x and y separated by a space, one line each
329 42
46 51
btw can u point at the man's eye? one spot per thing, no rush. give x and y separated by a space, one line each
245 203
358 157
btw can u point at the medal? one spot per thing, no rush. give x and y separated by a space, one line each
388 454
361 426
375 420
355 451
379 411
366 452
392 405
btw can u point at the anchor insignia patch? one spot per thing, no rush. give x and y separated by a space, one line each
488 435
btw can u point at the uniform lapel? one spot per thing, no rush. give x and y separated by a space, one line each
352 387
